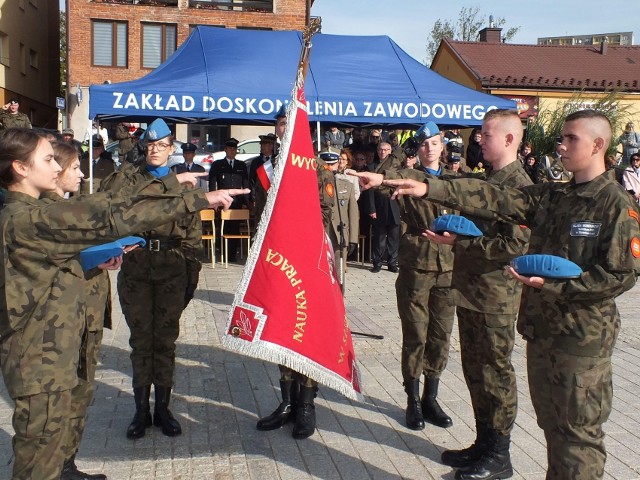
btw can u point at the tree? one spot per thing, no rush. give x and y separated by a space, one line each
543 130
465 28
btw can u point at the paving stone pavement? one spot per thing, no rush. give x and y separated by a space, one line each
219 396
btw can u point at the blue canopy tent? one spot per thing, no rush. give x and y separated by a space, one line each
243 76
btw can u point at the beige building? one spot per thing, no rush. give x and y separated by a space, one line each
538 76
121 40
30 58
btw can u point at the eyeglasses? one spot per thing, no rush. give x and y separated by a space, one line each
161 147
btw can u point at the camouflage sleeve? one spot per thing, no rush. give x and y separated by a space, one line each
191 247
618 269
478 198
511 242
85 221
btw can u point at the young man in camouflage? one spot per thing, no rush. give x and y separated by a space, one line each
570 324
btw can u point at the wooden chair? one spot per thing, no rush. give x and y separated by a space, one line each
240 215
207 217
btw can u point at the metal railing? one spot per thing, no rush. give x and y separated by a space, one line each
235 5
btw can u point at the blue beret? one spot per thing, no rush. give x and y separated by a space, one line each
93 256
427 130
456 224
156 131
548 266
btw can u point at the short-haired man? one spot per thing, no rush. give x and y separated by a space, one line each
10 117
570 324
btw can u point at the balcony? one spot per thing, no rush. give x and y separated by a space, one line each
161 3
235 5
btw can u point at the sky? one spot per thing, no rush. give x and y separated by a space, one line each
409 22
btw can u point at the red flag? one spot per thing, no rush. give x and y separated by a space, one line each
289 307
265 174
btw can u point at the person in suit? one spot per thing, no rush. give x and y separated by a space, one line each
267 154
230 173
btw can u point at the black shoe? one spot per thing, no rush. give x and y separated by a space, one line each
394 268
70 472
470 455
376 268
162 416
142 419
431 410
495 462
413 414
286 411
305 414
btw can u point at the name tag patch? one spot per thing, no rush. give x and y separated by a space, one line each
585 229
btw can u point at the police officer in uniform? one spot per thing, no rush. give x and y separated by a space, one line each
570 324
188 153
267 156
345 217
10 117
103 165
155 285
297 390
39 376
551 169
230 173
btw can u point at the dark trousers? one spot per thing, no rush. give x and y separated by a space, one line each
385 235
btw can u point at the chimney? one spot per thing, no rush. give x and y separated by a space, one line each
490 35
603 47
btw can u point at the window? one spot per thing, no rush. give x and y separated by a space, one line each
33 58
158 43
109 43
4 49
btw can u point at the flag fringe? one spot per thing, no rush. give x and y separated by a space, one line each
283 356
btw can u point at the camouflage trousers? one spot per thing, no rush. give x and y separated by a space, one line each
82 393
572 398
426 315
486 343
152 308
41 423
288 374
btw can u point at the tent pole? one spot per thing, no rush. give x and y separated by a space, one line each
318 135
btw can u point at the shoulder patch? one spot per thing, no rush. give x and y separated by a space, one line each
635 247
329 189
634 214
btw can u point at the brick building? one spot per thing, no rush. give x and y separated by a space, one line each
121 40
30 58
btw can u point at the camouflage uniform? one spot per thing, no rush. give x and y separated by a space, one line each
570 325
423 288
17 120
41 319
97 308
153 286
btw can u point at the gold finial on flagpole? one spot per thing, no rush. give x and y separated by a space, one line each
309 31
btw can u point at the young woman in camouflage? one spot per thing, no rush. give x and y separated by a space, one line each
41 320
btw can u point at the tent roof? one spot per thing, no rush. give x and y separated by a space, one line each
243 76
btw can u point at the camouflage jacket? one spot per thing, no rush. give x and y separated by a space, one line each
187 229
18 120
416 251
594 224
40 316
479 278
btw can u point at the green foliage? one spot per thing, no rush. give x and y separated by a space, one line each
465 28
547 126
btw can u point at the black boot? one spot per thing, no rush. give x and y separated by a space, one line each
495 463
413 416
71 472
431 410
470 455
286 411
142 418
162 416
305 413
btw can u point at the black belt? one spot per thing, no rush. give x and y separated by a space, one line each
159 244
415 231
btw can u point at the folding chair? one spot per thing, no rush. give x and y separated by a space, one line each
240 215
207 217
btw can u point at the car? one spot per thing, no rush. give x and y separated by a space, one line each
247 149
